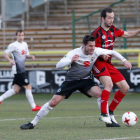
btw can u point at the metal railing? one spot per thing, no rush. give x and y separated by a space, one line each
87 18
65 3
128 51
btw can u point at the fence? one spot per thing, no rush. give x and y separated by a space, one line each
126 11
130 51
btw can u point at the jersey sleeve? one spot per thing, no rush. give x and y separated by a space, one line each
118 32
10 49
65 61
117 55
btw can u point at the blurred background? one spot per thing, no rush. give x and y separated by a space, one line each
53 27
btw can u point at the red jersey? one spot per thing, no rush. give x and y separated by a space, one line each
105 39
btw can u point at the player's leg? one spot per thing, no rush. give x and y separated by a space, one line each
119 81
90 89
95 91
119 95
22 80
46 108
105 79
107 83
29 96
64 91
10 92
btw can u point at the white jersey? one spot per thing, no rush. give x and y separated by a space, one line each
81 69
19 52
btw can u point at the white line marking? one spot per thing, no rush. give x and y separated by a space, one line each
126 138
56 118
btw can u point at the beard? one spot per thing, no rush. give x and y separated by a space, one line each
107 25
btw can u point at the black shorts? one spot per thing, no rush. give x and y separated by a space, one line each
20 79
68 87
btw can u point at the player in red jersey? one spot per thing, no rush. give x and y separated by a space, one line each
105 36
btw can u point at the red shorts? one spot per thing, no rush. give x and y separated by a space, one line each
110 70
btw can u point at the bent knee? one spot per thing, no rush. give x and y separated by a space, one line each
97 94
125 89
53 103
16 90
28 87
108 86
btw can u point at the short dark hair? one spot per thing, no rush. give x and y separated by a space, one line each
88 38
19 31
106 10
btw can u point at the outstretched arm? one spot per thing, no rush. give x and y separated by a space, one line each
120 57
127 64
128 34
66 61
116 55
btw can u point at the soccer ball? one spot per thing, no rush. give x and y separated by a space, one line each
129 118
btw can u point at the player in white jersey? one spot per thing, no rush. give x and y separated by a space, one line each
19 51
78 76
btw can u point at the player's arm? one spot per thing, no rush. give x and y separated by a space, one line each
6 56
117 55
66 61
128 34
30 57
9 50
120 57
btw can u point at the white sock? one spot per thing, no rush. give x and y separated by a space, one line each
7 94
30 98
99 104
42 112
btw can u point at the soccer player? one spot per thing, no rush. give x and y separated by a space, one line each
78 76
19 51
105 36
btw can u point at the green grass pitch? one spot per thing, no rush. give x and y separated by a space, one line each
75 118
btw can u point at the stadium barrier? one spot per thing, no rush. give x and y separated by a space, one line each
136 60
48 81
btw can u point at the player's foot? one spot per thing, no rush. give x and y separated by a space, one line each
113 120
105 118
27 126
36 108
113 124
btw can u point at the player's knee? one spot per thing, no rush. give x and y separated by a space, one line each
98 94
16 90
28 87
125 89
53 103
95 92
109 86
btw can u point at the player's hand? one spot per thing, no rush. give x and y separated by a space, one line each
75 58
12 62
127 64
32 57
105 56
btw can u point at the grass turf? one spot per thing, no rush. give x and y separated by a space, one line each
73 119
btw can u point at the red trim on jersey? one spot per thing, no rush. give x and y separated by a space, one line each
105 39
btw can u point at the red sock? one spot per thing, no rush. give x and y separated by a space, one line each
116 100
104 100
